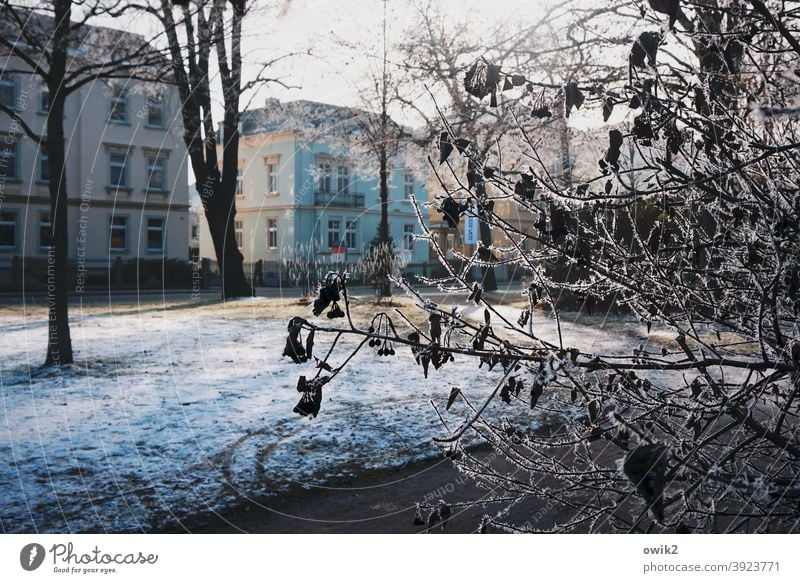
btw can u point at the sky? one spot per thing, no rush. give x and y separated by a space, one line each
317 69
310 29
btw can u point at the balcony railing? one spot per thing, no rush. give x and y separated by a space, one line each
339 199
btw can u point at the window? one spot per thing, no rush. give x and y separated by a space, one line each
8 159
8 90
43 168
45 230
119 107
238 233
272 177
44 101
342 179
119 234
155 106
155 235
156 173
333 232
324 176
408 237
195 232
118 169
272 233
408 184
8 230
351 234
239 188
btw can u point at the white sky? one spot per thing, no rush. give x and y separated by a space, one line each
296 26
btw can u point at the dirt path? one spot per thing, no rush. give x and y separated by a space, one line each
381 501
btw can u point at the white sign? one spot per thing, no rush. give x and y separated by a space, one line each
471 227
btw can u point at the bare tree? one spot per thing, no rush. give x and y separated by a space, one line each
442 53
696 428
196 32
41 42
379 140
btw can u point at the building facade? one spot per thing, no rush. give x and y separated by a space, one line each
125 171
299 190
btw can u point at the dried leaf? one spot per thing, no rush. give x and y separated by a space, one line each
573 97
454 393
445 147
645 47
608 108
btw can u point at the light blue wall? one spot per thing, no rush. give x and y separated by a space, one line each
312 222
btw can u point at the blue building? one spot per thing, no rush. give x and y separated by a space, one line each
300 184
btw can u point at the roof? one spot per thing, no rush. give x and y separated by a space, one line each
94 44
301 116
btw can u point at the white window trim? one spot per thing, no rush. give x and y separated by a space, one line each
408 237
272 227
338 231
272 160
238 233
351 227
239 192
406 183
325 176
346 175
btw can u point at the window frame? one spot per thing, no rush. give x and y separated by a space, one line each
14 167
272 171
40 109
239 192
343 182
10 80
15 224
161 230
119 95
409 184
272 233
112 227
155 157
42 224
125 166
238 233
156 101
41 160
338 240
324 176
351 230
408 237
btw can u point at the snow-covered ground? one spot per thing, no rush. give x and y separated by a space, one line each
168 412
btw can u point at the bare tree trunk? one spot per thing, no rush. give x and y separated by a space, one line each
488 278
59 343
220 211
383 229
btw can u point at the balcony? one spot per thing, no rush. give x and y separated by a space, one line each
353 200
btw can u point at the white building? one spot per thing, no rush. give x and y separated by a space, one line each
126 172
